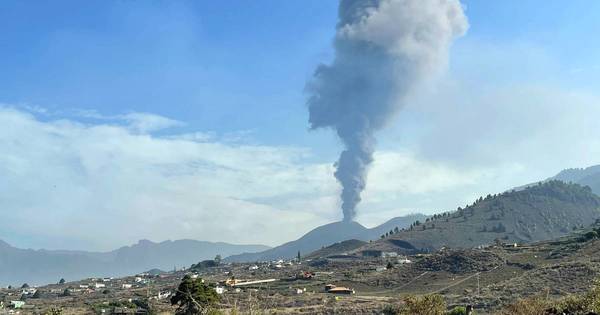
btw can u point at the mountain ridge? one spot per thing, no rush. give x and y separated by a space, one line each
47 266
326 235
536 213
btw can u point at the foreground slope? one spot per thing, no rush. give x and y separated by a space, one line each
326 235
540 212
44 266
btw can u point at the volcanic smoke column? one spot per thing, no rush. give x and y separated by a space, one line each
383 49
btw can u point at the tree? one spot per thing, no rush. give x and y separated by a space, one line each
218 259
25 286
61 281
382 236
298 256
396 230
194 297
389 265
66 292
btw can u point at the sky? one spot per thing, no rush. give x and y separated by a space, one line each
160 120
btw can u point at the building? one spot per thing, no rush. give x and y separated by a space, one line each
127 286
163 295
99 285
340 290
28 291
220 290
17 304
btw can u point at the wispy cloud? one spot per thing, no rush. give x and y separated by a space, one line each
104 184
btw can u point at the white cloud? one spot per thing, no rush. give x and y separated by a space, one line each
103 185
109 185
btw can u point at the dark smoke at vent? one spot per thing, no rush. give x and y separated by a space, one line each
383 49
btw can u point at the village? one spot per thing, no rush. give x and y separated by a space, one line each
273 281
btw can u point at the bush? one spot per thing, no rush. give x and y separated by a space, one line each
432 304
458 310
390 310
532 306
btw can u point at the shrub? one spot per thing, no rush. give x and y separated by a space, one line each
432 304
458 310
390 310
531 306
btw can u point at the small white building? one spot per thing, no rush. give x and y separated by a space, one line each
254 267
99 285
127 285
163 295
17 304
28 291
220 290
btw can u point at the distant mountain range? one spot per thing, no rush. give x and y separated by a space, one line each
326 235
589 176
539 212
19 266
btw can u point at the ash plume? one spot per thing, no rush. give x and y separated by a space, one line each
383 49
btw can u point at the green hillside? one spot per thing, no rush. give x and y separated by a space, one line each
540 212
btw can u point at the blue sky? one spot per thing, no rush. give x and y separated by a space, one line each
226 66
224 79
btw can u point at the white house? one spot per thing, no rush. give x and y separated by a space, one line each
99 285
127 285
17 304
163 295
28 291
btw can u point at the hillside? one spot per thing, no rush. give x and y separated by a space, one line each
336 249
326 235
589 176
540 212
44 266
